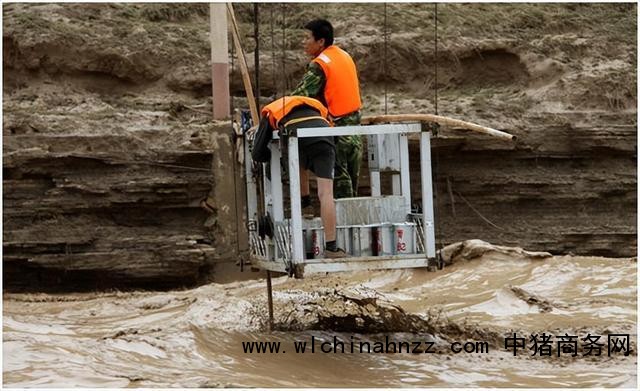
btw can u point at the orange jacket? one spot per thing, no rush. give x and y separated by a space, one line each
342 90
279 108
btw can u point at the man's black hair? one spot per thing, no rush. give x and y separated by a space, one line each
321 28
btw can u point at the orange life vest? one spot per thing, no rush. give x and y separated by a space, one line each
279 108
342 90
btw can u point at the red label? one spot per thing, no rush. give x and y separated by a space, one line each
400 246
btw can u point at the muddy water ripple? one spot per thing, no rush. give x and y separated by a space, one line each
194 338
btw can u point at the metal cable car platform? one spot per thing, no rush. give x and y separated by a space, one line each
378 232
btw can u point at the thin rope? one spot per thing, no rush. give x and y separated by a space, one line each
435 43
233 53
438 200
139 162
235 186
284 73
284 42
284 157
478 213
256 36
386 43
273 53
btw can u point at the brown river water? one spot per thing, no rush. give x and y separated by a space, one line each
193 338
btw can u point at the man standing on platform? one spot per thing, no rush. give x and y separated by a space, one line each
332 78
315 153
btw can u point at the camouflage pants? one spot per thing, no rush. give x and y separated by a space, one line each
347 167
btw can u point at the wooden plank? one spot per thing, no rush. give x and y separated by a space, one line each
437 119
244 69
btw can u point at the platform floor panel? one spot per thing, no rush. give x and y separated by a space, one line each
311 266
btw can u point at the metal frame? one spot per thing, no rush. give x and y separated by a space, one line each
252 190
294 263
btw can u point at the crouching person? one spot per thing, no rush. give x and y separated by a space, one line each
317 154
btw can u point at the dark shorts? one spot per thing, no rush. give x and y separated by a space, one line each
319 158
317 154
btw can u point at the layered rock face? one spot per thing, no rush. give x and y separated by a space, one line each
100 205
104 165
108 143
567 188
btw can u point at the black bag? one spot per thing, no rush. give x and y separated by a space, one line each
260 151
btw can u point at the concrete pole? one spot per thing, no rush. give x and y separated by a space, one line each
219 60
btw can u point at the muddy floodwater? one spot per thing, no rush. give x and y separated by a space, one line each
194 338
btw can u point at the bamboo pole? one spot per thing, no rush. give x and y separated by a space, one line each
244 69
439 120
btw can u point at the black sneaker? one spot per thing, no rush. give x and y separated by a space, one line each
308 212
